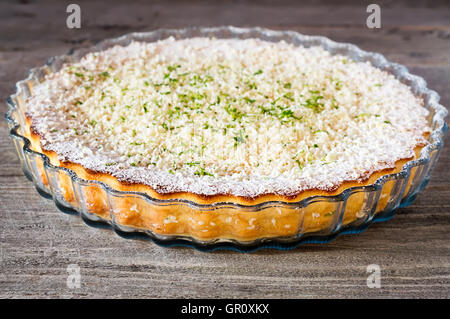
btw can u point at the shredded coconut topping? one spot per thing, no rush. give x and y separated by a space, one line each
238 117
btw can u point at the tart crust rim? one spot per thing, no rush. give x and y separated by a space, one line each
369 180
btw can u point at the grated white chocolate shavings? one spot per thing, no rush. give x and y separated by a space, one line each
238 117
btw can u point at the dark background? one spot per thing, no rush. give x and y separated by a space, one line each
38 242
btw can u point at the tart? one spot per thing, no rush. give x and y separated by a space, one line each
226 139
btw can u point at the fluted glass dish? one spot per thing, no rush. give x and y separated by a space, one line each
316 219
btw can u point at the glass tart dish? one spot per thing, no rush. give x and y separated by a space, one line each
227 137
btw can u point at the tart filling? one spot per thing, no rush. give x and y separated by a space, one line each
237 117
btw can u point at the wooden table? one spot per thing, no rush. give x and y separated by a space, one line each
38 242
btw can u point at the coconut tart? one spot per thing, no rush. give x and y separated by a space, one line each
206 121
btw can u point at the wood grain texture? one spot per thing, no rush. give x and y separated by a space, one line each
37 242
